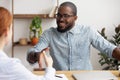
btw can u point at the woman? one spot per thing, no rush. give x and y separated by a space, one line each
11 68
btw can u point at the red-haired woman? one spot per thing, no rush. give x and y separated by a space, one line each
11 68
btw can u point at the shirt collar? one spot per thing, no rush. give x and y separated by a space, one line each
74 30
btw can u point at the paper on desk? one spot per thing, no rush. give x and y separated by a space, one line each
95 75
63 77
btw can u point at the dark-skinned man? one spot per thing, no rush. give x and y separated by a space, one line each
70 42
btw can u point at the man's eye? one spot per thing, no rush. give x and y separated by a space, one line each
66 15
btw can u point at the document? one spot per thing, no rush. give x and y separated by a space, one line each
95 75
60 77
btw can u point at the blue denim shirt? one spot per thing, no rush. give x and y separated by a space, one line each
71 50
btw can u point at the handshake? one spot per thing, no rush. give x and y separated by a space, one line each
39 57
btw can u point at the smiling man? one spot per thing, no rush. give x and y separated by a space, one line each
70 43
66 17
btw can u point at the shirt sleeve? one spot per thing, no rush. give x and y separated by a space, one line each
49 74
102 44
19 72
42 44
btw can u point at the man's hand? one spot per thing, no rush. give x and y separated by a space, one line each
32 57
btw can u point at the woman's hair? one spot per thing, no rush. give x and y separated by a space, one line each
5 20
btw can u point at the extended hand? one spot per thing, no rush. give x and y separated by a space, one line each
47 58
32 58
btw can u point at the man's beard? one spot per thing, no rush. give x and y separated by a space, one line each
64 30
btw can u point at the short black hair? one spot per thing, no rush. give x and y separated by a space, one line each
71 5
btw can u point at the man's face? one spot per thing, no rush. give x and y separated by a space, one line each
65 19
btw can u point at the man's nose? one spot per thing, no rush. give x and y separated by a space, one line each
62 18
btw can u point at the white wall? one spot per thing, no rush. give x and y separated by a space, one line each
97 13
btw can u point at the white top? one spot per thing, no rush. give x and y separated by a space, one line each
12 69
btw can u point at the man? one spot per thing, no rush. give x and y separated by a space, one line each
70 43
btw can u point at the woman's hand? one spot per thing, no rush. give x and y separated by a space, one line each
47 58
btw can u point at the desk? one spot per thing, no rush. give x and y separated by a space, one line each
69 73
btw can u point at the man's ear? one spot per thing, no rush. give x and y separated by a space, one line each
75 17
